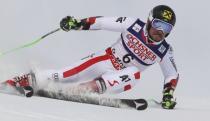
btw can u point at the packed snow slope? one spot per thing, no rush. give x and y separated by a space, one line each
45 109
24 21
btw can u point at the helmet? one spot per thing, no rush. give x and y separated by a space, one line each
163 14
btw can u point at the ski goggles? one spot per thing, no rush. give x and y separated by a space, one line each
162 25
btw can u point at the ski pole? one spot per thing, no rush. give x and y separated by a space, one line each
28 44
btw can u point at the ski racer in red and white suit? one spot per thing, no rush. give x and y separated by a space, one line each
119 67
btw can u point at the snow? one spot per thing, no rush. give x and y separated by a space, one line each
43 109
23 21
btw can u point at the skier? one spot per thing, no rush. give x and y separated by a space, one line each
119 67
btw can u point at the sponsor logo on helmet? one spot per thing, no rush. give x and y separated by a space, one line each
167 15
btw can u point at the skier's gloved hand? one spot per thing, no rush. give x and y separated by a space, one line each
168 101
69 23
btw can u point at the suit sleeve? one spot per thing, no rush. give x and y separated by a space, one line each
118 24
169 70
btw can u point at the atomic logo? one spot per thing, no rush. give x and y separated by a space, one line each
167 15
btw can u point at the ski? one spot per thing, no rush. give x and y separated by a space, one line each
138 104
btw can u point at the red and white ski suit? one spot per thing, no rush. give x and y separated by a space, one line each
121 64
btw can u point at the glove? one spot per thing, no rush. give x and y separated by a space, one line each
69 23
168 102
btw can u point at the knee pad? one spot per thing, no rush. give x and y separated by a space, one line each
101 85
122 80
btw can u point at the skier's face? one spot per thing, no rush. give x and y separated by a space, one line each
156 35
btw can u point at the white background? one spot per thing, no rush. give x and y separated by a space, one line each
23 21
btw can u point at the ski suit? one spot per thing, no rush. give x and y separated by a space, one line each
120 65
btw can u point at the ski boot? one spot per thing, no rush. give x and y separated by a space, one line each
23 84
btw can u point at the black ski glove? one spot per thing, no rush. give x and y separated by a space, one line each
69 23
168 101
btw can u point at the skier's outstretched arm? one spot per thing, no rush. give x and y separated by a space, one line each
118 24
171 78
